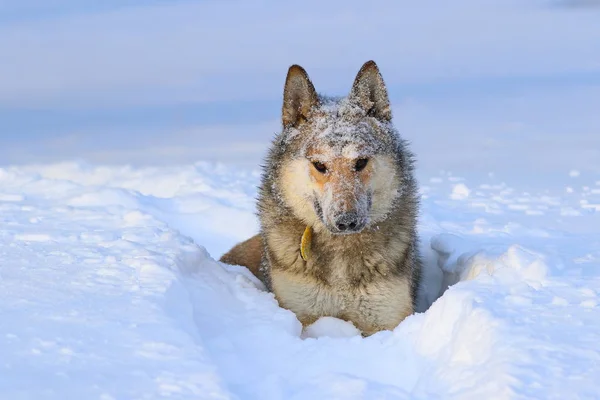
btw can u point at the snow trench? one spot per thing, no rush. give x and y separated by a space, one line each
108 291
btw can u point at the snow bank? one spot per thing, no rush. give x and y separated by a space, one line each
107 291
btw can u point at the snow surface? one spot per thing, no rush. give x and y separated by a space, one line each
109 290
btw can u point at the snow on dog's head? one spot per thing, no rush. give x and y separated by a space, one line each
340 159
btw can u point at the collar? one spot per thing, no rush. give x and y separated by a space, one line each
305 243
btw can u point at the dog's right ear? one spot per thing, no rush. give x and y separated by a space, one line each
299 97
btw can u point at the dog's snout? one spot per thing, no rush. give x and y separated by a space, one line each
348 222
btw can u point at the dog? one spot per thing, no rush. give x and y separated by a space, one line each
338 207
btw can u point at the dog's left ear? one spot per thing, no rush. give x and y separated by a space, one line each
370 94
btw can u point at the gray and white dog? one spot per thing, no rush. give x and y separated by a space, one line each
338 205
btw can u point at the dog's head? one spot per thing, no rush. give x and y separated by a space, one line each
341 164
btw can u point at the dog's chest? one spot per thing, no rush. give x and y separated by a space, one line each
378 304
355 280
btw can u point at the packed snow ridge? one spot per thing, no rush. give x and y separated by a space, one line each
109 289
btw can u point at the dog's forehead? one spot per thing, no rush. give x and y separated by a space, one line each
338 128
327 152
341 129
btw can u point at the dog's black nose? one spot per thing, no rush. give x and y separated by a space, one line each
347 222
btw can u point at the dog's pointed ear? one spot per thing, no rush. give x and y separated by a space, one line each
299 97
369 92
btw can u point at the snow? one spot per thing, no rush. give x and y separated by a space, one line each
460 191
330 327
109 289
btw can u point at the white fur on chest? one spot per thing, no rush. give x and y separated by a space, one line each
380 304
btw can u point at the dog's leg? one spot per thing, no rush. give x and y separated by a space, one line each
247 254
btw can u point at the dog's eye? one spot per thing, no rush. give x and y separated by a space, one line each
319 167
361 164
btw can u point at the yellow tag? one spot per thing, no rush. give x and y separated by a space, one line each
305 243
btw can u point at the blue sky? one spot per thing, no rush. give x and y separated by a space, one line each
159 82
